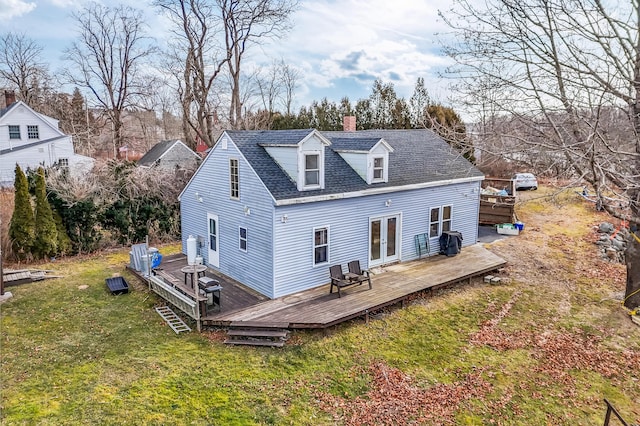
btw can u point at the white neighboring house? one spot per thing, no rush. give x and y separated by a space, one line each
31 139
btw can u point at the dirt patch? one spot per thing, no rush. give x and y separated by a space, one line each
557 246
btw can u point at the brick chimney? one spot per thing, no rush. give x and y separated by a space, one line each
349 123
9 97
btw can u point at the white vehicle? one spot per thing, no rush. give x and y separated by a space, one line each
525 181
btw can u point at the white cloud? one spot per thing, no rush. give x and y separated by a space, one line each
10 9
352 42
64 3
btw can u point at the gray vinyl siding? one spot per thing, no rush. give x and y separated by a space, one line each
348 222
178 156
254 267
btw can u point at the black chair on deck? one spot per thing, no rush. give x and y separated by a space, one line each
338 279
358 274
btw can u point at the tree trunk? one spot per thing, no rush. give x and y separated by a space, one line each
632 291
117 135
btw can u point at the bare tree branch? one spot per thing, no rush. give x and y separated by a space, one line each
107 60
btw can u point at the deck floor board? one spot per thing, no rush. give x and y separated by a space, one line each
317 308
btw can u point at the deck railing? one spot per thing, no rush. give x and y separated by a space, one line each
610 410
174 296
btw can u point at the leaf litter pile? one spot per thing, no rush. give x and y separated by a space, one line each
395 400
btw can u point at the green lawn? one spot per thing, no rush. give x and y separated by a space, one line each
543 348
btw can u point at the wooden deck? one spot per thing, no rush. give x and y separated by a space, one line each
233 296
317 308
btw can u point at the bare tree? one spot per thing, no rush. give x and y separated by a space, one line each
247 22
197 61
269 86
290 78
561 68
106 59
21 67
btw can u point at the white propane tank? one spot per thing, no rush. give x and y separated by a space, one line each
191 250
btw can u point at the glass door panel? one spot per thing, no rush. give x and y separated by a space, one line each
374 245
391 236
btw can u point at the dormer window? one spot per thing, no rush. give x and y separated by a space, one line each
312 171
378 169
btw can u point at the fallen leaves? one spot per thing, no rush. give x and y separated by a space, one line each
394 399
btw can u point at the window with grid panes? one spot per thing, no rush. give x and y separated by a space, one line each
33 132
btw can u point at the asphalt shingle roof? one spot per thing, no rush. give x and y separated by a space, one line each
156 151
353 144
5 110
420 156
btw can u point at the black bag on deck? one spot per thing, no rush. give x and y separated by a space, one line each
450 243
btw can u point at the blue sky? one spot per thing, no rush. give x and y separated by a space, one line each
338 46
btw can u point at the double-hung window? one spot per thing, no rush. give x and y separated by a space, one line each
234 179
439 220
378 169
311 170
14 132
320 245
33 132
243 239
446 218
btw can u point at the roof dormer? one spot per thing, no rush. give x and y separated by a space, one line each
302 158
369 157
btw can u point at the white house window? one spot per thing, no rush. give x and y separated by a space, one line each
243 239
446 218
311 170
14 132
378 169
440 220
63 162
320 245
434 222
234 178
32 132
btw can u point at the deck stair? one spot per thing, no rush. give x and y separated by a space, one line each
257 334
174 321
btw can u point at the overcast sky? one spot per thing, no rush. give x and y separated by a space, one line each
339 46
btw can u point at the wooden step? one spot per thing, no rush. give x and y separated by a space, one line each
259 324
257 333
262 342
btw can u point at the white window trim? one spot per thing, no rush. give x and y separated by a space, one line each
441 219
245 239
19 132
303 170
385 167
313 245
231 180
33 129
373 168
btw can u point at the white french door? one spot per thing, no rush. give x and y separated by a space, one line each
384 239
214 241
